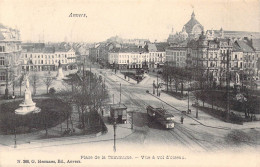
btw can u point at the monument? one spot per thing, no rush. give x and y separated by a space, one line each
237 83
60 75
27 106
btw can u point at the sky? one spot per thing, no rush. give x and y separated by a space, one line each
49 20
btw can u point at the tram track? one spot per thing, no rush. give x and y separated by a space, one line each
179 133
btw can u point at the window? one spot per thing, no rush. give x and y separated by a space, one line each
2 61
2 48
2 76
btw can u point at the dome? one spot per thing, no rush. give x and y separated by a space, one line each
191 24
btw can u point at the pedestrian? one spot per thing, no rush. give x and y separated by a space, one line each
182 119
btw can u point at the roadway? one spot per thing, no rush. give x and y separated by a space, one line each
189 135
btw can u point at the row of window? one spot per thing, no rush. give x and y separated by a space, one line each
48 62
46 56
175 53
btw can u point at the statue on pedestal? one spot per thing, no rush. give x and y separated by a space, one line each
60 75
27 106
237 83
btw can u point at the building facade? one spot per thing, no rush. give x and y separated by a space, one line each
177 56
157 55
128 58
10 52
210 56
46 58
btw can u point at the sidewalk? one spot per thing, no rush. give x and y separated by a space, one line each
123 130
203 118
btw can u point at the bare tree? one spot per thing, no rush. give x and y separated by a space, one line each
85 98
34 79
48 79
21 78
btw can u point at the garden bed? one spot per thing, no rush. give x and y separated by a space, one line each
53 112
222 115
219 98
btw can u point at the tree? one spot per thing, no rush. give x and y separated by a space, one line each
48 79
34 80
21 78
88 93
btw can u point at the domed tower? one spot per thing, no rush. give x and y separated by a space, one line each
193 27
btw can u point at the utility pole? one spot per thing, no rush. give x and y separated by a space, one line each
197 76
113 99
228 81
14 82
6 89
132 125
114 135
157 86
153 87
84 87
189 98
14 129
120 95
167 74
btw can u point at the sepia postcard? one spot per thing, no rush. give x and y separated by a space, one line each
129 83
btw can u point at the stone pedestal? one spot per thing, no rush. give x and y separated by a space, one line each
27 106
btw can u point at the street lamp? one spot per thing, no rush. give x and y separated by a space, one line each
157 86
114 125
189 97
6 88
154 87
14 123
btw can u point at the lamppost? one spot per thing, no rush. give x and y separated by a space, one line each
6 79
154 87
120 95
128 69
157 86
114 125
189 97
14 123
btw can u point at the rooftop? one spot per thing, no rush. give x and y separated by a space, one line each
244 46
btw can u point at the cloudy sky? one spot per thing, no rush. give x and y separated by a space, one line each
149 19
